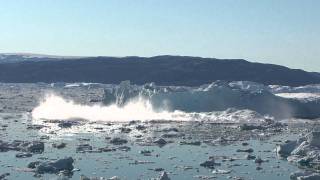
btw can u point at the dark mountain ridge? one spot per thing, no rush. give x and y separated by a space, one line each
163 70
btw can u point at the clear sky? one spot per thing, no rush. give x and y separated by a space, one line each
285 32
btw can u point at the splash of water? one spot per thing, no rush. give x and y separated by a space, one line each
55 107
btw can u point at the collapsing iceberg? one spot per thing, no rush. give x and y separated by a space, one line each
217 96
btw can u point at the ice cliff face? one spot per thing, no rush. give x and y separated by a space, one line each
217 96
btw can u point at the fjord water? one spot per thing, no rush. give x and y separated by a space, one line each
27 105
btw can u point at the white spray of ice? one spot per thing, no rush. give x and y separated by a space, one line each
56 107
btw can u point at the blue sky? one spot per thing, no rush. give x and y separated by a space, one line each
285 32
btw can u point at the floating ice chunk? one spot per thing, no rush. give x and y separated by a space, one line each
286 148
221 171
314 139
